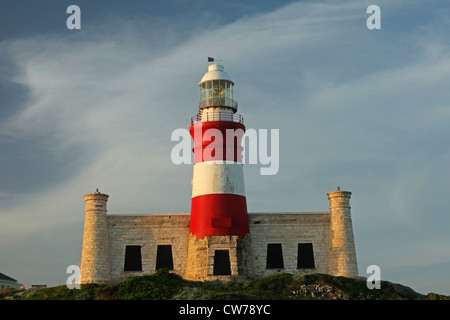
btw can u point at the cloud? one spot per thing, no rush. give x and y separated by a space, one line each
367 111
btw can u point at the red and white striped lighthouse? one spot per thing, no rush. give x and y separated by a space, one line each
219 206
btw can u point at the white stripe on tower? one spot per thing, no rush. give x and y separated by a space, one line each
218 177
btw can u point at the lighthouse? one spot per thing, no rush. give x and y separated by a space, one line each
219 219
218 239
219 206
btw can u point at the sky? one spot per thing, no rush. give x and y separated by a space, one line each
366 110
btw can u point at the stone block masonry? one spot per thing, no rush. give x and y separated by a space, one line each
95 258
299 243
148 232
288 230
342 246
202 253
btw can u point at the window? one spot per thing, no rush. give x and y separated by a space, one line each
164 257
221 263
274 256
133 260
305 257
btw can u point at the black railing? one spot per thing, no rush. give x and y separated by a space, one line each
217 116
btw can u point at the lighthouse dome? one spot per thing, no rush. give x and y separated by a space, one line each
216 72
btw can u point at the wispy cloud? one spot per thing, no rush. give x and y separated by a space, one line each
367 110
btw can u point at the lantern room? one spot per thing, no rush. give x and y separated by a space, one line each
216 89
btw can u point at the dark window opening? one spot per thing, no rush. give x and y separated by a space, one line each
305 257
274 256
133 259
221 263
164 257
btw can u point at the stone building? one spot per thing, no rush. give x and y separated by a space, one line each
218 239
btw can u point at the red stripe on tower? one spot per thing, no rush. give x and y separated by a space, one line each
219 206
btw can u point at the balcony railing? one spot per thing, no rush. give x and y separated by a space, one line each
217 116
217 101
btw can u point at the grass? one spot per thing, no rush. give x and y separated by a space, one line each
164 285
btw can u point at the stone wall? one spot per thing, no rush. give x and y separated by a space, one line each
289 229
200 264
332 243
193 258
147 231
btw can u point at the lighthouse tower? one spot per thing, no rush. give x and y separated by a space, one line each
219 227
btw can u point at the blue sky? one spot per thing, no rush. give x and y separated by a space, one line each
366 110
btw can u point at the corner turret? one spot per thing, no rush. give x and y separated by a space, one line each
342 255
95 256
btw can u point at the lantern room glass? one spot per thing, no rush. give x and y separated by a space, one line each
216 93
